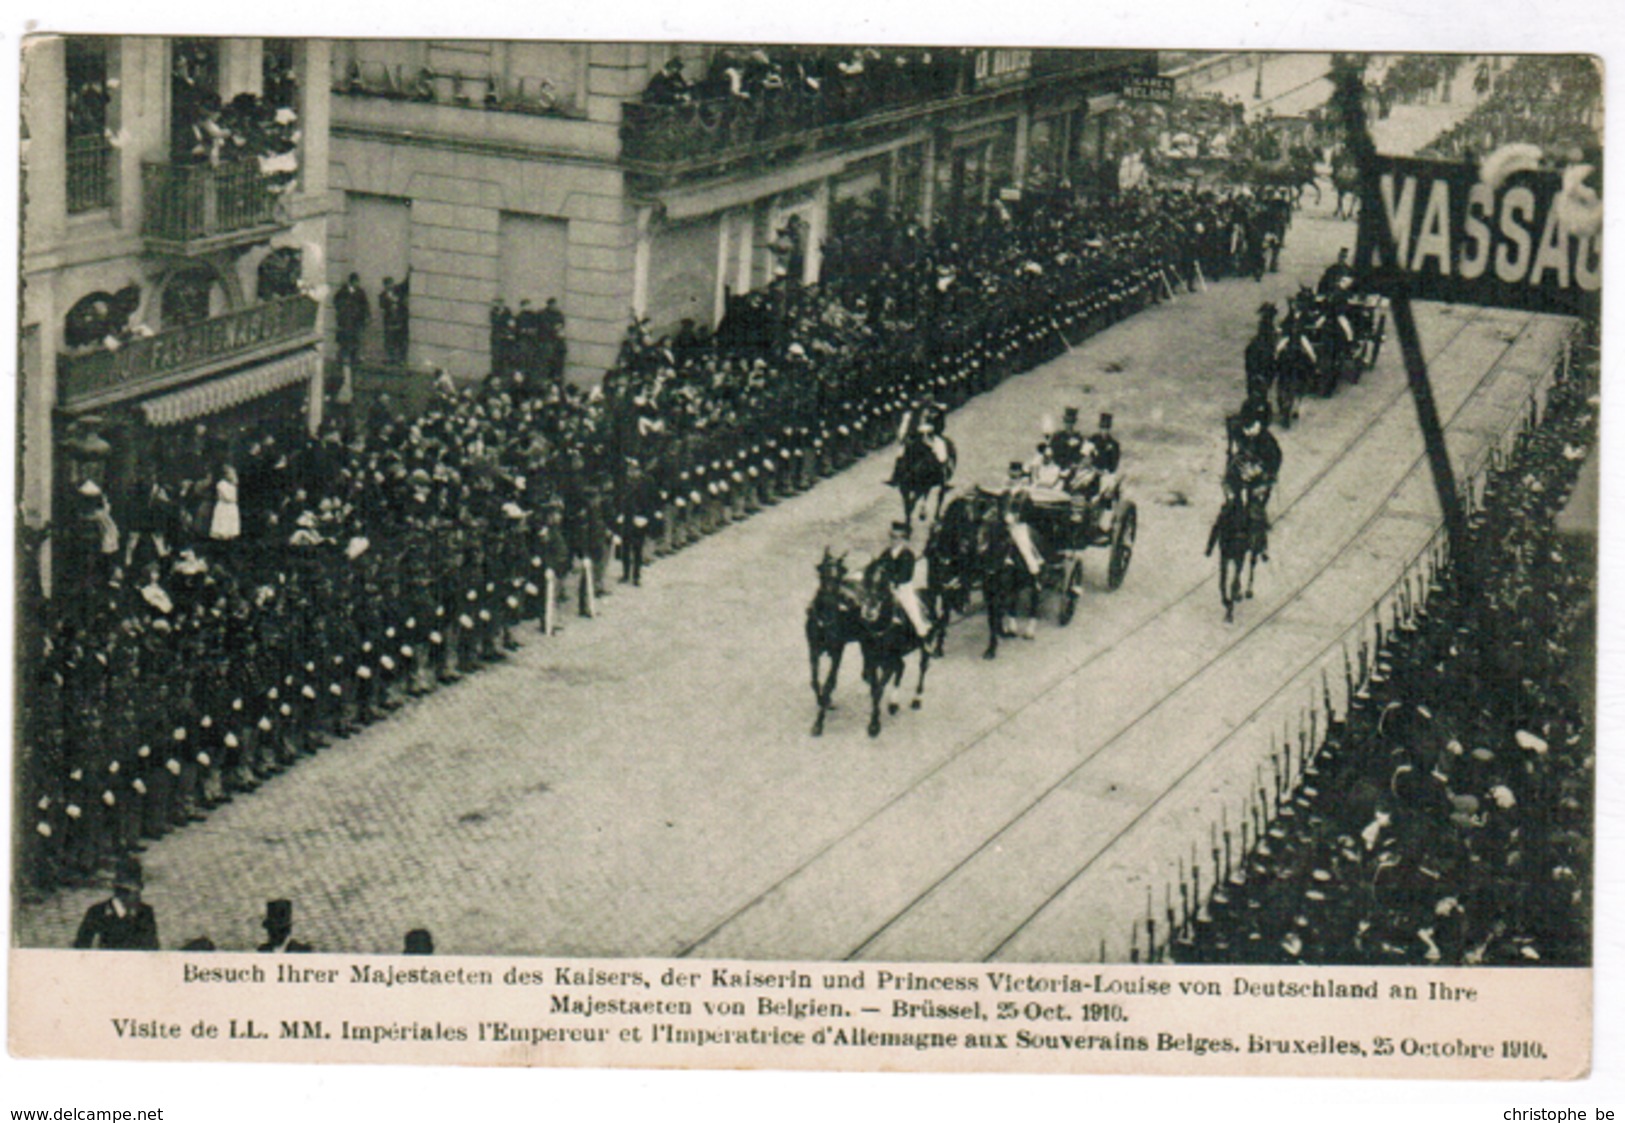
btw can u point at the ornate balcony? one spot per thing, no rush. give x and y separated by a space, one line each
180 355
661 143
193 209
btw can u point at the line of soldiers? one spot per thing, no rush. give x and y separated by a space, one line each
1447 817
371 572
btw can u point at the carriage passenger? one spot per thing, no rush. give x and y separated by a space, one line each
893 571
1066 444
1042 470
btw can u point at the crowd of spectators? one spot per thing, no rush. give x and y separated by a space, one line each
1447 819
249 127
747 93
1416 80
253 600
1546 100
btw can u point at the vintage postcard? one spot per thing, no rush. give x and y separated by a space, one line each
807 556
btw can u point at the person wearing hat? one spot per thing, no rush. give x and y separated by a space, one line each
123 922
351 311
893 570
1066 443
1253 467
1105 454
669 87
278 925
638 502
1259 358
394 309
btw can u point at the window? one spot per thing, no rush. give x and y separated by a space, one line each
194 94
279 74
187 298
90 144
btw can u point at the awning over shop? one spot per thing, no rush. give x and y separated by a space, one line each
228 390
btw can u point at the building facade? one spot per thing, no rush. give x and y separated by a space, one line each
527 171
174 226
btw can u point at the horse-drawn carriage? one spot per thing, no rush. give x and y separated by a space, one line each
1325 341
1062 525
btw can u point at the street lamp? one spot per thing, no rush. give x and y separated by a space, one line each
1258 86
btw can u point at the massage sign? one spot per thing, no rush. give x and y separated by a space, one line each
1509 233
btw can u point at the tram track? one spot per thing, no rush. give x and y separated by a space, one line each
1134 630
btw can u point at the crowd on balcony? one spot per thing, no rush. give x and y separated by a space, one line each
1448 820
750 93
1550 101
246 603
247 128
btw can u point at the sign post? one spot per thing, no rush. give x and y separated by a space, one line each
1350 100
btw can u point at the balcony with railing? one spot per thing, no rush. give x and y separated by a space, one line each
707 132
179 355
90 174
196 208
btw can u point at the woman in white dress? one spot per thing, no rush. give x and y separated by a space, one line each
227 522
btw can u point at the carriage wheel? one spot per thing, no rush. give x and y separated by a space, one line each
1123 532
1071 589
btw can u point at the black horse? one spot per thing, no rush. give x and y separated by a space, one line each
919 472
1295 368
1009 587
1259 358
952 574
834 619
1239 534
887 638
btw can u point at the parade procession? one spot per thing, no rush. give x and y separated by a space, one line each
446 464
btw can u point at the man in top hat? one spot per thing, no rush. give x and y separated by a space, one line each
278 924
394 309
552 352
1066 443
123 922
1105 453
351 313
893 570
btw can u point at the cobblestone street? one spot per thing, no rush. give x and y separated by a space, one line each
644 783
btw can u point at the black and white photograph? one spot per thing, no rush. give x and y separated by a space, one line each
836 502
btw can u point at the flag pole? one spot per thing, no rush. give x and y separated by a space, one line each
1349 96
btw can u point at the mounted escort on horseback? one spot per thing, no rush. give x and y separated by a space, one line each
1241 531
926 460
